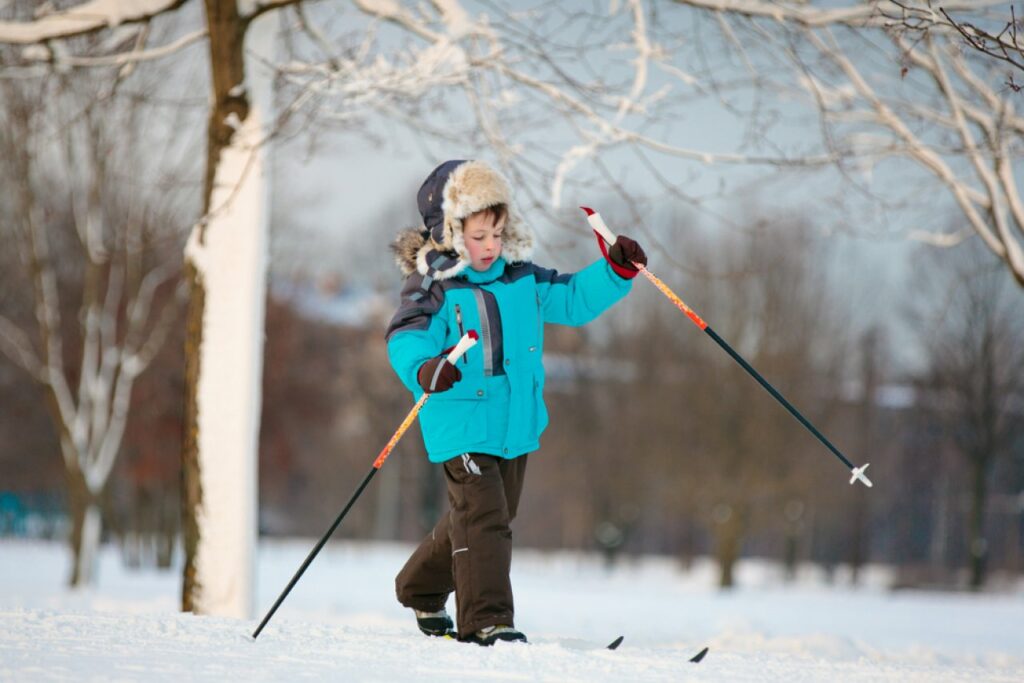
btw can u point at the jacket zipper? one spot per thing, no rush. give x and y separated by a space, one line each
485 332
458 321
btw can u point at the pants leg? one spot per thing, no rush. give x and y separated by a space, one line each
426 580
484 492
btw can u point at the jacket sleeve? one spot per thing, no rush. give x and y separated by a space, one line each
416 332
578 298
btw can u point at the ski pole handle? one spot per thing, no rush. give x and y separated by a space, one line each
599 226
465 344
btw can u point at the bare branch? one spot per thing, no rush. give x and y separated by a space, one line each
870 14
17 346
997 46
136 55
260 7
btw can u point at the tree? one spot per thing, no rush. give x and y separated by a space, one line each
225 268
66 152
885 93
773 303
975 347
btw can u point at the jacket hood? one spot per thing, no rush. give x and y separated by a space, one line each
452 192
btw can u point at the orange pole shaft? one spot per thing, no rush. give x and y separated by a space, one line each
402 428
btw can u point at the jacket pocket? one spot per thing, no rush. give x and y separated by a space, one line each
539 407
456 418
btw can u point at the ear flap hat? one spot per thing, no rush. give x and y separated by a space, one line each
451 193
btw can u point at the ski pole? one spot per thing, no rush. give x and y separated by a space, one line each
467 341
598 224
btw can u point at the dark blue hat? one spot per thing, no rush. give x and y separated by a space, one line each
430 198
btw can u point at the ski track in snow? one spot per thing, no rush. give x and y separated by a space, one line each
341 623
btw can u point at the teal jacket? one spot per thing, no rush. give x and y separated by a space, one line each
497 407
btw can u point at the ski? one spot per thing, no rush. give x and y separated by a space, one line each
699 656
451 635
695 659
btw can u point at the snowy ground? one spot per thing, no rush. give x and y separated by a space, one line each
341 623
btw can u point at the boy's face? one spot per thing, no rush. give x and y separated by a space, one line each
483 239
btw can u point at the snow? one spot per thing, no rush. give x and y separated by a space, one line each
81 18
342 623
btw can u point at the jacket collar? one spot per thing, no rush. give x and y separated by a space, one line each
481 277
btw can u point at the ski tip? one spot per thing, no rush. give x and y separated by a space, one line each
615 643
588 210
699 656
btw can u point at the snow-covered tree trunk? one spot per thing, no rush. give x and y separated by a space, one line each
226 261
86 528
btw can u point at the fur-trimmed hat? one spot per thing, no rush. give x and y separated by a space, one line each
451 193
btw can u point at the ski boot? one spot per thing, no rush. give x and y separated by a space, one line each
437 624
489 635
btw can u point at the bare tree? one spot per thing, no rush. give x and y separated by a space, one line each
80 230
975 347
771 299
885 94
225 266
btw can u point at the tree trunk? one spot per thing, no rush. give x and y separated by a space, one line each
226 265
729 529
978 544
85 530
859 518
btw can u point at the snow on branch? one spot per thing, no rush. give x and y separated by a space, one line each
88 17
876 14
517 72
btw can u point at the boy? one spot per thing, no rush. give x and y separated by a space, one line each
469 268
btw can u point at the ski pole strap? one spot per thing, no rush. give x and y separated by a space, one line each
437 374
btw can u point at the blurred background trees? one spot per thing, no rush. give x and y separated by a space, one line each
91 271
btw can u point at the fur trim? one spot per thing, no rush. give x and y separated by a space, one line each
406 248
472 186
413 250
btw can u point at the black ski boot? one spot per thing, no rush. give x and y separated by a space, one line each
437 624
489 635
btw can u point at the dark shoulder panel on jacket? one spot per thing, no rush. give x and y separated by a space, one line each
417 306
542 275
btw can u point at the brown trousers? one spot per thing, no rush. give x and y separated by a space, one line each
470 549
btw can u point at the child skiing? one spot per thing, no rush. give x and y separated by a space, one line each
467 268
